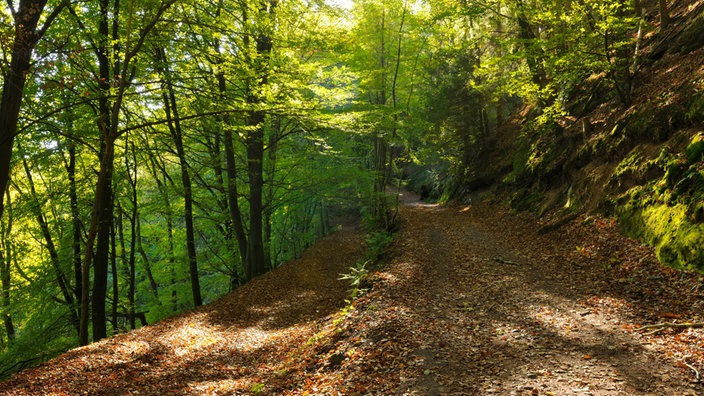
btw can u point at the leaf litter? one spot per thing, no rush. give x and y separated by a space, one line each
470 300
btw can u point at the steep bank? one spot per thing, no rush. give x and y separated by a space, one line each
643 163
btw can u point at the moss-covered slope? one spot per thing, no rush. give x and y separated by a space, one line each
643 163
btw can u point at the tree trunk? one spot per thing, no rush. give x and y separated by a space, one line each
14 79
97 255
61 279
116 231
271 189
76 222
232 191
256 259
254 142
174 125
534 56
664 14
102 248
5 278
131 284
379 164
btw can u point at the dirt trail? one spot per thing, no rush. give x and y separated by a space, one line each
472 300
505 311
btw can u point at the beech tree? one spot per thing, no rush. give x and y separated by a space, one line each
27 33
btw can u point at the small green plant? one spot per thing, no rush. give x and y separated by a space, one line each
356 276
257 388
376 244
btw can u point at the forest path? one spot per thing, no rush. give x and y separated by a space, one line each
506 311
471 300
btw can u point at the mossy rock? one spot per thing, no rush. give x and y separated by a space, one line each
695 112
695 151
676 239
525 200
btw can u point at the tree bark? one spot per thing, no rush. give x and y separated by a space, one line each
232 191
254 142
102 213
379 165
101 220
117 230
664 14
533 59
134 214
271 189
256 259
5 276
25 39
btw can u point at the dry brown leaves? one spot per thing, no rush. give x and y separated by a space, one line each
472 301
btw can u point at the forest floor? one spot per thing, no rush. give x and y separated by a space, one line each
470 300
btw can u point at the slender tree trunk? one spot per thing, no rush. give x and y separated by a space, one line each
379 207
117 231
232 191
102 217
271 189
5 273
534 57
664 14
5 285
76 223
131 284
391 218
256 259
61 279
174 125
147 263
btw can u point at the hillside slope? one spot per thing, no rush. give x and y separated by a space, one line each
643 163
472 300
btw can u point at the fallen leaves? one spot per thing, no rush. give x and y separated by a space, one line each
443 317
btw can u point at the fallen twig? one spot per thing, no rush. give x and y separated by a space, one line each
658 327
503 261
696 372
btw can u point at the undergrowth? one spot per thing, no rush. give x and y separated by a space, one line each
357 275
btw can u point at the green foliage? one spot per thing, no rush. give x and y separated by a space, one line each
257 388
377 242
356 277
